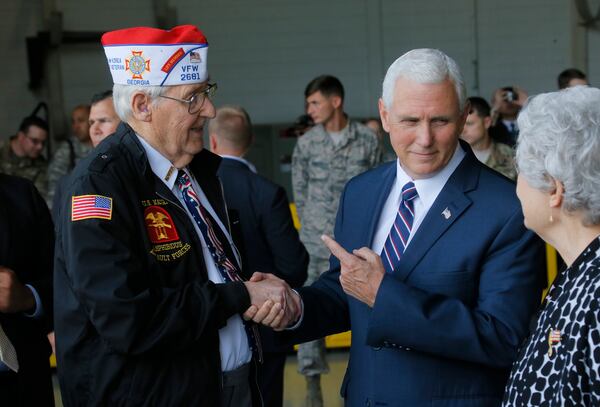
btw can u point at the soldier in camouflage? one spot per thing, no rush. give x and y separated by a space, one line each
495 155
324 159
70 151
21 155
502 159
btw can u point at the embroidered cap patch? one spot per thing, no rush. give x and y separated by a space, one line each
91 207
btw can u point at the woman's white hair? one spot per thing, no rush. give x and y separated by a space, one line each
122 97
424 65
559 139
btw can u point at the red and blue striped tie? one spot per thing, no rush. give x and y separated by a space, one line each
396 242
229 268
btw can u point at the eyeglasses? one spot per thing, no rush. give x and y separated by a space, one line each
196 101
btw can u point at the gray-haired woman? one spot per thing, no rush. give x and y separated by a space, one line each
558 156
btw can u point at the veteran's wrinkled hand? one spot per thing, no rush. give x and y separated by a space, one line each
273 312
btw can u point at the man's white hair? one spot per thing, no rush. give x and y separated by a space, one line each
424 65
122 97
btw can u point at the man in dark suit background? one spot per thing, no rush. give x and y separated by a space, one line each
434 271
26 257
269 243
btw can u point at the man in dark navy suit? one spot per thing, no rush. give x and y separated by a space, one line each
269 242
26 257
433 268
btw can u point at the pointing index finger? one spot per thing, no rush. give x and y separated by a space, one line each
337 250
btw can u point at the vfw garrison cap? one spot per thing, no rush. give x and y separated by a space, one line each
145 56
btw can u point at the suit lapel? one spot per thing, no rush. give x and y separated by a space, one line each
204 166
447 208
381 190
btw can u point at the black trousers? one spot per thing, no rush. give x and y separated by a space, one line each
29 387
270 378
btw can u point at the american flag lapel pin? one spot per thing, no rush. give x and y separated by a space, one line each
446 213
554 337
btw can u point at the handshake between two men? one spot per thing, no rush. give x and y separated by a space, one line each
276 305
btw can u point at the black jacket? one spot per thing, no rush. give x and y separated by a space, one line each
269 241
499 133
27 247
137 319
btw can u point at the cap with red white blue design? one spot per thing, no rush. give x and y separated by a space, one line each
145 56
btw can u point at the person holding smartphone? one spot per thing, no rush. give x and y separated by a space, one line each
506 105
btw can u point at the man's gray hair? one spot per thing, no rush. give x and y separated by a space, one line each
424 65
122 97
559 138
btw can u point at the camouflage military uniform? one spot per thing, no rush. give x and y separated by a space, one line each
320 170
65 156
34 169
502 159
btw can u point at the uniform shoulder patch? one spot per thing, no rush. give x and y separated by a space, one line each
91 207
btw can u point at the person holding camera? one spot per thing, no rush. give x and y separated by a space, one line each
506 105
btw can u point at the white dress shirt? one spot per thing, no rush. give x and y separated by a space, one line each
511 125
233 341
428 190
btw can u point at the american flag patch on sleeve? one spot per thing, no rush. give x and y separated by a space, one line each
91 207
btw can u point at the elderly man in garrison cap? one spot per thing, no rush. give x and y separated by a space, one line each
149 286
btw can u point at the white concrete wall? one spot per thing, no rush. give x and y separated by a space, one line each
523 43
263 52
